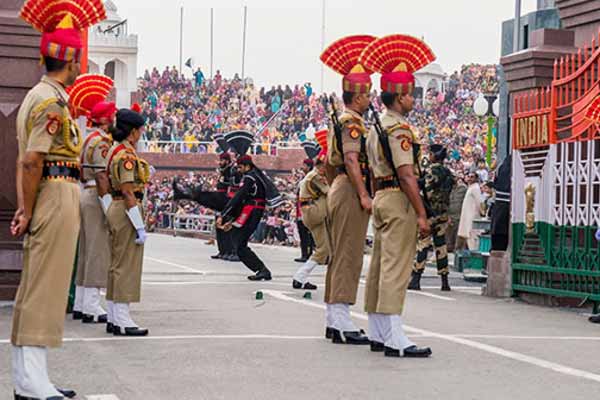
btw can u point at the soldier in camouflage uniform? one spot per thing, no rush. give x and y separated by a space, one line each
436 184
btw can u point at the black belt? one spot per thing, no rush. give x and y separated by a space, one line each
387 182
56 170
307 203
118 195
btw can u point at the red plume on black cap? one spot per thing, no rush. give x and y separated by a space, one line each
136 107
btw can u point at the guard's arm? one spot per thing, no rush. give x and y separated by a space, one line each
133 212
353 169
237 200
19 180
103 187
31 167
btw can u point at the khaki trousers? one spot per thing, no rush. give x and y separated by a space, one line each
348 230
125 273
94 242
314 217
48 256
395 224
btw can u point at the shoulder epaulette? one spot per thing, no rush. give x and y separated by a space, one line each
399 126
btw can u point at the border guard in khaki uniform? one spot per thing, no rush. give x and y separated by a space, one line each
48 195
88 96
348 200
313 205
397 208
128 174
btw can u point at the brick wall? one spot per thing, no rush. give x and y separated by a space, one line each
179 164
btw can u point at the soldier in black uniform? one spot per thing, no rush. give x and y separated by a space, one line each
244 211
500 211
215 200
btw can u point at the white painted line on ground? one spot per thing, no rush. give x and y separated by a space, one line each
433 296
101 397
185 337
563 369
109 338
517 337
192 283
184 267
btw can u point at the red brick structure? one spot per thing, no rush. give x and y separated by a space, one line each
176 164
20 70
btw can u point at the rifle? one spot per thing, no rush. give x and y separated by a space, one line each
337 127
387 153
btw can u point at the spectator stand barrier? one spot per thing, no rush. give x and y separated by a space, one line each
557 158
197 147
188 223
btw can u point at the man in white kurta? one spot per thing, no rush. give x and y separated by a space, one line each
470 211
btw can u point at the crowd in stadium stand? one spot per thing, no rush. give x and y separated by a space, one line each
193 110
184 113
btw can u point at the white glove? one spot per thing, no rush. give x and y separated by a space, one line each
138 223
140 236
598 235
152 171
105 202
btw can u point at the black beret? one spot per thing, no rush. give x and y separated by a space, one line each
129 119
438 150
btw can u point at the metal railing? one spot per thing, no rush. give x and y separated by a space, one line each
198 147
189 223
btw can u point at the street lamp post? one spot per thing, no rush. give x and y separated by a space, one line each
487 105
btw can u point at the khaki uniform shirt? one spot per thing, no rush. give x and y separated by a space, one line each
353 129
95 152
401 138
44 123
124 166
313 186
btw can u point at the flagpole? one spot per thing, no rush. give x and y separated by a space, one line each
212 33
181 42
517 27
244 41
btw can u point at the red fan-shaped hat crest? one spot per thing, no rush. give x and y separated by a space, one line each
45 15
343 54
389 53
87 91
321 138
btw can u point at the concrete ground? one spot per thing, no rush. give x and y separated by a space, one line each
211 339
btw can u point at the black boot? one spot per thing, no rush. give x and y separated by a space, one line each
409 352
595 319
377 347
263 275
415 282
355 338
68 393
181 192
445 284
